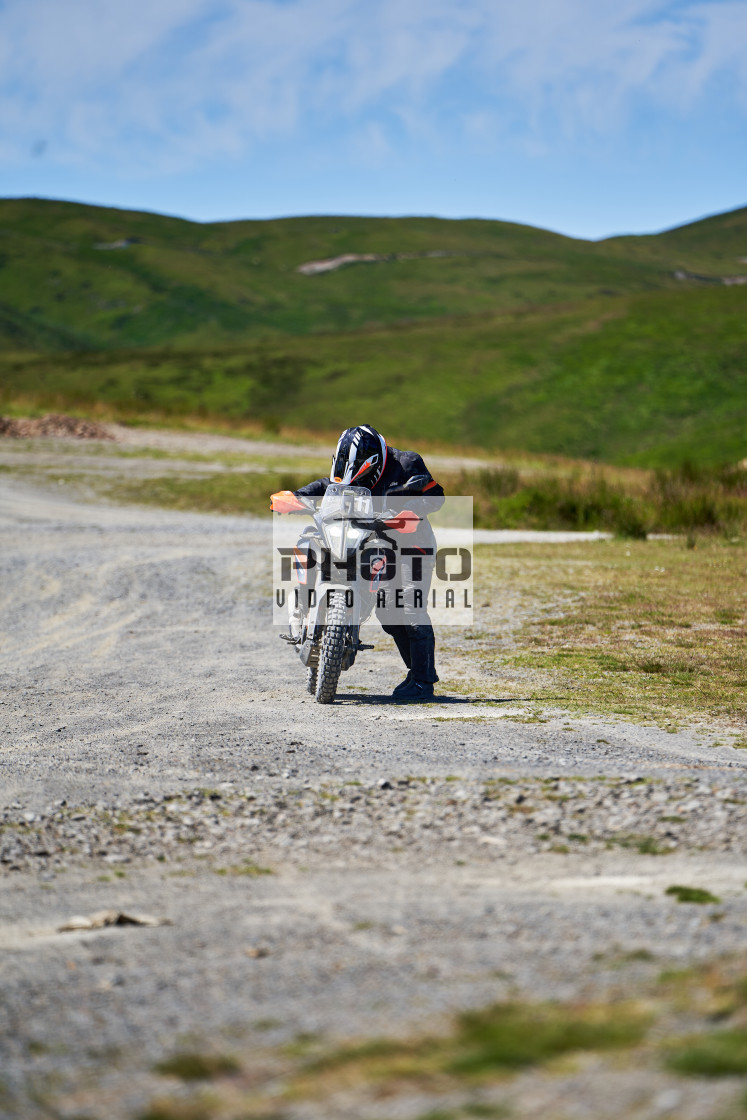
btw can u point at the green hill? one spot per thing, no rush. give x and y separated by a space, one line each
478 332
168 281
715 246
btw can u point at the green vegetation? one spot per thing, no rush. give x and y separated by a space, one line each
253 870
193 1066
64 284
715 993
644 845
516 338
650 630
502 1038
691 894
513 1036
717 1054
686 499
237 493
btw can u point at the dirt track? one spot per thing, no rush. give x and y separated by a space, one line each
138 663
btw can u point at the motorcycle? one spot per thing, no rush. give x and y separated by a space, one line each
341 562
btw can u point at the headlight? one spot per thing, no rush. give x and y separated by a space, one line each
355 536
336 535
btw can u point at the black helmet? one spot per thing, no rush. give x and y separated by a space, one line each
360 457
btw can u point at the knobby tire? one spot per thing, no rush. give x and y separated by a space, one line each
330 655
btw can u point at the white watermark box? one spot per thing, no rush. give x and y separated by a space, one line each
403 560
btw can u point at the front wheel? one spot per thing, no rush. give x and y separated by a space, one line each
332 648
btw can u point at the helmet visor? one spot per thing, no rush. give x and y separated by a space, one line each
359 458
347 470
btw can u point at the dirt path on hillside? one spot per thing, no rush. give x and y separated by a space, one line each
156 741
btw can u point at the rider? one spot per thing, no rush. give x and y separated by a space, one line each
363 458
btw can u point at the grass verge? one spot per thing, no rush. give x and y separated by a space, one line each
691 894
653 631
718 1054
230 493
194 1066
484 1045
687 499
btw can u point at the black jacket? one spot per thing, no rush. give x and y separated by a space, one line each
400 466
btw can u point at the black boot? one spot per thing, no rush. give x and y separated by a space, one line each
403 684
415 692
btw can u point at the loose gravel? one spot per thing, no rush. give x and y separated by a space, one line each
363 823
347 870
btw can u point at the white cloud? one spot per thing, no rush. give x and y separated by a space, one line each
168 83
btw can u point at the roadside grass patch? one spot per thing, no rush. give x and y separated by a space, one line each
643 634
639 955
252 870
583 496
715 992
718 1054
194 1066
222 493
503 1038
648 846
691 894
513 1037
644 845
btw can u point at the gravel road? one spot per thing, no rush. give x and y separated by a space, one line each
345 870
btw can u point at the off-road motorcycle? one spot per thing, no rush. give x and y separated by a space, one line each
341 562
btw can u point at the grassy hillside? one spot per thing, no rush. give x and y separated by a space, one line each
512 338
714 247
184 283
641 380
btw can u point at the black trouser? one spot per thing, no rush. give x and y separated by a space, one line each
417 647
414 636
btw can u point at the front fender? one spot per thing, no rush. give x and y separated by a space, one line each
353 612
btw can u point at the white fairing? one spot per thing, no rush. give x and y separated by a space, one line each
339 505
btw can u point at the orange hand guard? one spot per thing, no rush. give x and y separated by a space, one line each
404 522
285 501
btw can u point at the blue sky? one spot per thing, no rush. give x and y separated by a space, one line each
585 116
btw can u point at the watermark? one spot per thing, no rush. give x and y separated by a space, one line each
397 559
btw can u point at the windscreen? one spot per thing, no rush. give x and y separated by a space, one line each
346 502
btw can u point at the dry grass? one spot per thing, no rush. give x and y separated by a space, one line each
690 498
650 630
